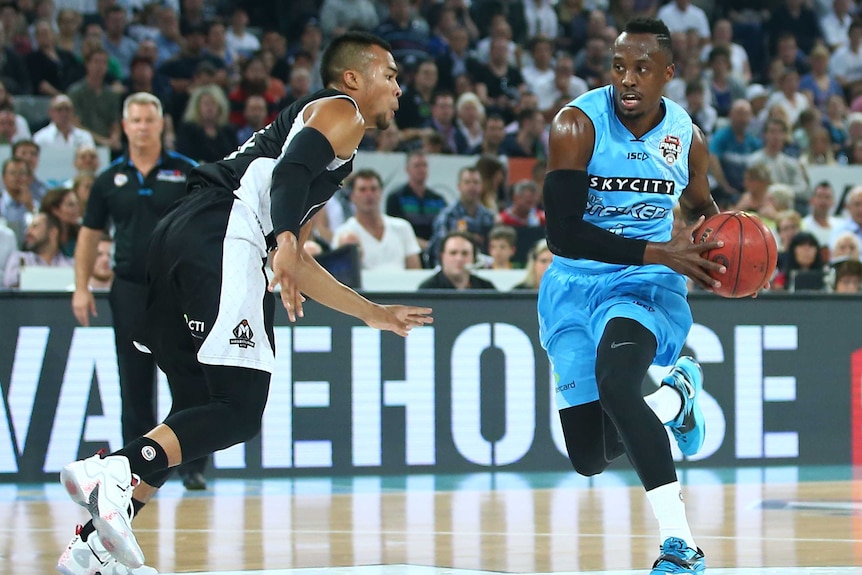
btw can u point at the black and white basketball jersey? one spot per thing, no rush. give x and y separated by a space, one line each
247 172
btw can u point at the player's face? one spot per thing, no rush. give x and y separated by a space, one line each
382 75
639 73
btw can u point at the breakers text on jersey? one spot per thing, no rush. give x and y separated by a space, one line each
638 211
642 185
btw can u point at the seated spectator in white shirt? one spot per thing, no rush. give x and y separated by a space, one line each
8 126
682 16
61 131
239 39
385 242
41 248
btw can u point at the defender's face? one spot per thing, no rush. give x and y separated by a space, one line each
383 88
639 73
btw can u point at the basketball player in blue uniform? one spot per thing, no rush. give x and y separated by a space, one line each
209 314
613 302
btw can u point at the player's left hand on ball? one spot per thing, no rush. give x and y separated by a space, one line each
399 319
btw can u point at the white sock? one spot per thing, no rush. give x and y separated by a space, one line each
669 510
665 402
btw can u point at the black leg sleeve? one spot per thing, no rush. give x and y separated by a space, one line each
625 352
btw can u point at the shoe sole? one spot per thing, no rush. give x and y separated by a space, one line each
124 549
697 413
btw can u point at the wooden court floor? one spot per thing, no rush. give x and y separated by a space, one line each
788 521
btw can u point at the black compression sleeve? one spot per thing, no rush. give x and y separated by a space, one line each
306 157
565 194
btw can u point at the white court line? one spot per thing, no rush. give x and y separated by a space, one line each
417 570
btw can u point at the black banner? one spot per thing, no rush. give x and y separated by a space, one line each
470 393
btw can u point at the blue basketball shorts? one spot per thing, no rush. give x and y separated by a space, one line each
575 305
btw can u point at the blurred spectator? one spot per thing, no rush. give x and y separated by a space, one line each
62 203
415 101
722 37
205 134
541 66
339 16
844 246
238 38
492 137
255 81
116 43
216 45
527 142
562 87
457 254
806 124
17 205
804 258
62 131
13 70
81 184
782 168
835 24
442 121
788 96
757 94
41 248
820 220
52 70
819 151
470 116
168 40
788 223
103 270
94 41
310 47
407 33
573 17
819 85
692 71
502 241
97 107
502 82
414 201
702 114
538 260
492 172
453 62
193 15
181 70
853 214
8 246
729 149
725 88
682 16
541 18
28 150
22 128
254 118
388 140
17 36
756 198
298 87
592 66
500 29
847 277
385 242
523 211
845 64
8 126
796 18
467 215
789 55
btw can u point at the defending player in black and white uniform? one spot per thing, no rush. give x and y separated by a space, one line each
209 313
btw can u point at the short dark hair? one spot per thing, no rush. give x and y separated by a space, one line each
503 232
458 234
25 144
348 51
367 174
655 27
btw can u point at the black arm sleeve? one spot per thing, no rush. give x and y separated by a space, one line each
565 194
306 157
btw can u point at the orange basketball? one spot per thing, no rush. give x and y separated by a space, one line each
750 253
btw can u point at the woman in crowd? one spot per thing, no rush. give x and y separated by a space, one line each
538 260
63 204
205 134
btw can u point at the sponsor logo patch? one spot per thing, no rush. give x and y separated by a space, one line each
242 335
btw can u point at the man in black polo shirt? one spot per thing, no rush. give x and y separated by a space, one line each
132 195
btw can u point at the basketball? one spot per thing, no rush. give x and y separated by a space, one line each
750 253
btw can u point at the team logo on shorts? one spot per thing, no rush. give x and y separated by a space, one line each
242 335
670 148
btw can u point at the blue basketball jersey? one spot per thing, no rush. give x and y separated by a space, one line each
634 182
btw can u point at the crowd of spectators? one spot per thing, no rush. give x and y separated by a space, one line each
775 85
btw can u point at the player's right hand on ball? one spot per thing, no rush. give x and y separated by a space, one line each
683 254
